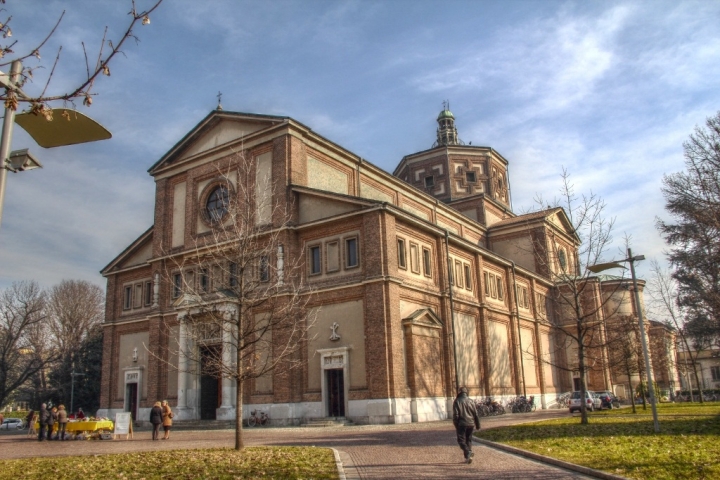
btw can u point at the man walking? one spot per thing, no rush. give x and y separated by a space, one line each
43 419
465 419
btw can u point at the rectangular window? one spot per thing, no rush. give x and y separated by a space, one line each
232 275
177 285
486 281
315 265
427 263
459 273
204 280
541 303
264 269
148 293
468 278
414 258
127 303
137 296
715 372
351 253
401 253
500 288
493 286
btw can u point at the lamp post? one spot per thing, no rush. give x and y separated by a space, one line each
73 374
651 387
69 128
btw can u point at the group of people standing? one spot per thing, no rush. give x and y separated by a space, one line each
161 414
47 420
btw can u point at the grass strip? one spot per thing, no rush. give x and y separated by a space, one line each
215 463
618 442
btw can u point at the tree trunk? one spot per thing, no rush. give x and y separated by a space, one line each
239 416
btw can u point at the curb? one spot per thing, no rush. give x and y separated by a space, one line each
591 472
339 465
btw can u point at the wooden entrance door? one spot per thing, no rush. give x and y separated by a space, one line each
131 390
210 383
336 392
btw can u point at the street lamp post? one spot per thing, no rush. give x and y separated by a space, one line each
74 128
73 374
651 386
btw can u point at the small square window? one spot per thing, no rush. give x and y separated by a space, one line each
315 265
401 253
351 253
470 177
427 262
429 181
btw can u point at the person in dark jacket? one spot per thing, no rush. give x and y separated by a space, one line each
156 418
465 419
52 420
43 419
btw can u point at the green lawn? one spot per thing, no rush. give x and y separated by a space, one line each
618 442
216 463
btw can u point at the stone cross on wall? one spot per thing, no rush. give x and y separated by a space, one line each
334 335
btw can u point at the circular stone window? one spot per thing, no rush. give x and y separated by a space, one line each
217 204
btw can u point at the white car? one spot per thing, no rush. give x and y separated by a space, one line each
13 423
592 401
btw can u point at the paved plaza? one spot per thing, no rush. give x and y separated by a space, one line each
424 450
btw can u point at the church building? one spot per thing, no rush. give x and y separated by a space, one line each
423 280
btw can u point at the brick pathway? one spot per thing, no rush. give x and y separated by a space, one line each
425 450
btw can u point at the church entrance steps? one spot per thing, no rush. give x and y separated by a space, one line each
326 422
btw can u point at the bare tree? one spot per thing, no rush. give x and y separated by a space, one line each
241 297
75 308
564 258
663 293
39 103
24 345
625 350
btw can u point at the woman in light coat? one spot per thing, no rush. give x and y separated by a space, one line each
62 419
167 418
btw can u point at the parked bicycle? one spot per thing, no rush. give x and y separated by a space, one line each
489 407
258 418
522 404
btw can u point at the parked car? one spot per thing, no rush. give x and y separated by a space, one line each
13 423
592 402
608 400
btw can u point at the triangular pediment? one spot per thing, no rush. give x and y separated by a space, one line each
423 317
219 129
318 204
137 253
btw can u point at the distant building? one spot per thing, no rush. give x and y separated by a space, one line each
390 257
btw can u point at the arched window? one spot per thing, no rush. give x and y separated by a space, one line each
217 203
562 259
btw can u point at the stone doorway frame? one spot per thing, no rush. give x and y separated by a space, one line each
331 359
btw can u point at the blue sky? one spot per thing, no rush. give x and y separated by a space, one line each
609 90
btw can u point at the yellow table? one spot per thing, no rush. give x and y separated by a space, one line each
84 426
90 426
